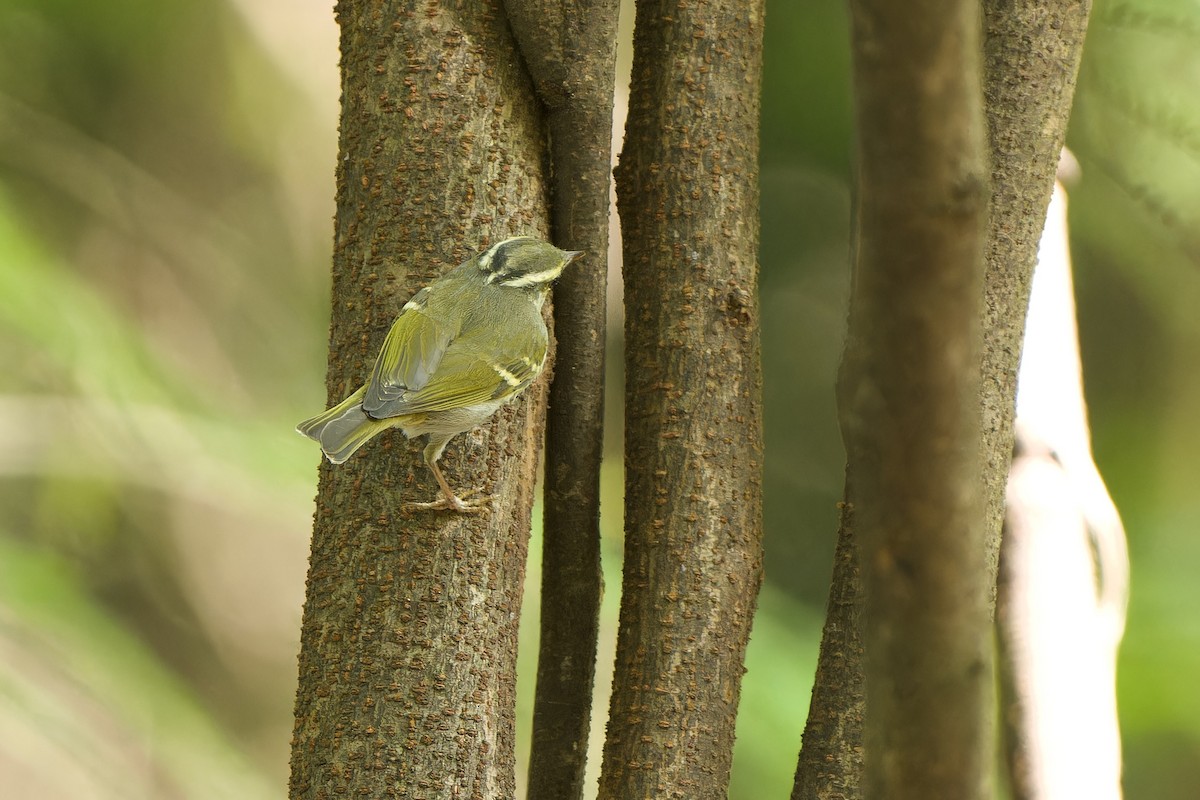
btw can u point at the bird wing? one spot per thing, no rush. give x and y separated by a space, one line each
466 377
410 356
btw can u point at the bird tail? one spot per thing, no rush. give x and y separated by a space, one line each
344 428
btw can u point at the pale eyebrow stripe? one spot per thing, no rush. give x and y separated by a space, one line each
533 278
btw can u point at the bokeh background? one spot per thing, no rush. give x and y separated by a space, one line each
166 195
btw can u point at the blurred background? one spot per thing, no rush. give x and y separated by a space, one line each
166 195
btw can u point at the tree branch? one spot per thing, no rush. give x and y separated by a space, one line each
1031 58
910 419
570 48
688 193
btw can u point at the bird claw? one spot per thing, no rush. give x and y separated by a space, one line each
454 503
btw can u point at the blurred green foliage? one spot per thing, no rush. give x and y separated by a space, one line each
82 694
165 200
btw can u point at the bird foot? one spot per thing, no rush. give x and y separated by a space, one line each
454 503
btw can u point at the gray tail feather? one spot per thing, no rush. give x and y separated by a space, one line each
344 428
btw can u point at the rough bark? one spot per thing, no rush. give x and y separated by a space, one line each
831 755
570 49
409 637
688 195
1031 58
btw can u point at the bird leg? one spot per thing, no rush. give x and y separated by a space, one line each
450 501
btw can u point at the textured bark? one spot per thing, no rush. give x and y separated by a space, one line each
831 756
570 48
688 195
1031 58
408 645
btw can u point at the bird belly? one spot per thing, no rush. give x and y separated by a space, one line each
449 422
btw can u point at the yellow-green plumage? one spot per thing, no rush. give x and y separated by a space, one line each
460 349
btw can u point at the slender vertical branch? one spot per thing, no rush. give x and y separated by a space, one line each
911 419
1032 50
688 193
831 756
570 49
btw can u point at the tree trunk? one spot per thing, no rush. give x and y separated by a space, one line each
688 195
409 637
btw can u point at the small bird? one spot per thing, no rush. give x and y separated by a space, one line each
461 348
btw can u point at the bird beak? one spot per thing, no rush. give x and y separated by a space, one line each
572 255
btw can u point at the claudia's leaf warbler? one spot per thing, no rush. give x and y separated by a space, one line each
461 348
